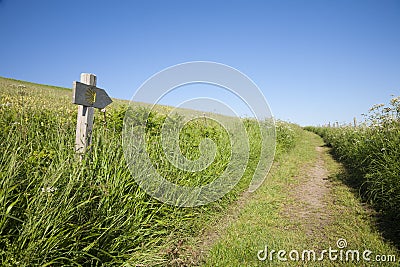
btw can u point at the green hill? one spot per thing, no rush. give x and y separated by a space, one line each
56 210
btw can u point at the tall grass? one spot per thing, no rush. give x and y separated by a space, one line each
372 151
57 211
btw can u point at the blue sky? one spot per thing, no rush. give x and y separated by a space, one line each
315 61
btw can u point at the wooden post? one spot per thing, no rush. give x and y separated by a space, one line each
84 125
355 122
87 96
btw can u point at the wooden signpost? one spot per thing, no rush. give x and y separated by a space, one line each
87 96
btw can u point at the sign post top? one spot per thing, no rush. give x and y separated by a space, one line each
89 95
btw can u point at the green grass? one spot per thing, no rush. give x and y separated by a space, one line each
55 210
261 221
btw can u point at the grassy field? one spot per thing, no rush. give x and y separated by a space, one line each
56 210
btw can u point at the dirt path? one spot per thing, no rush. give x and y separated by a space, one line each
302 205
310 197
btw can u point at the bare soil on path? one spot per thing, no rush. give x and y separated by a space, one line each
310 196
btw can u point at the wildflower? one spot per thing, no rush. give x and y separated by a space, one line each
376 106
6 104
395 100
49 189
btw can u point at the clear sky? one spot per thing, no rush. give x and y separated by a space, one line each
315 61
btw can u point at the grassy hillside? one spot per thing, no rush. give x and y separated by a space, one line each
56 210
